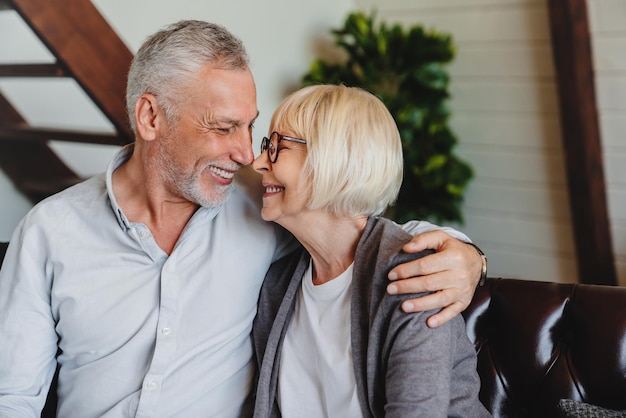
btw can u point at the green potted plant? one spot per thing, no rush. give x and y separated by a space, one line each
405 68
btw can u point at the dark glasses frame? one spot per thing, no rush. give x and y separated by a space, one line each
271 144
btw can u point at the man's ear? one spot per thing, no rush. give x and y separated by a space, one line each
147 117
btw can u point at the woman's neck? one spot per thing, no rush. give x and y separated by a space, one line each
331 241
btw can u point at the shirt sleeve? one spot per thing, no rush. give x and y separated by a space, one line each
29 340
419 227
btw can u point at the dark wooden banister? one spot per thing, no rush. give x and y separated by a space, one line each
571 40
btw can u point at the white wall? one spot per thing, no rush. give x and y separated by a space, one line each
282 38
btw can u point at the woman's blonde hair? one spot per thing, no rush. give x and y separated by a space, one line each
354 151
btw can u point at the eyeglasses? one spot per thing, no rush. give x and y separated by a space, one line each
271 144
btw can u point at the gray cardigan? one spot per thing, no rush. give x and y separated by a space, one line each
402 367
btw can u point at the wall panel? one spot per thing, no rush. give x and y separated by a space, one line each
607 19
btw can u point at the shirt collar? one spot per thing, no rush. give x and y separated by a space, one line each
120 158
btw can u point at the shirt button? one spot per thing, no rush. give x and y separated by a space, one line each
144 233
166 330
151 385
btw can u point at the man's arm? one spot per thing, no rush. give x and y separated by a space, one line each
29 340
452 272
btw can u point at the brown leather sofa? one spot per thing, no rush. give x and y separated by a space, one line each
539 342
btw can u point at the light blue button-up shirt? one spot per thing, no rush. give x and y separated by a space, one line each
138 333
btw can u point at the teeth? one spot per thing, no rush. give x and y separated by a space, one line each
222 173
273 189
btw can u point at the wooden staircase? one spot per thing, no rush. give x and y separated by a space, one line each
86 49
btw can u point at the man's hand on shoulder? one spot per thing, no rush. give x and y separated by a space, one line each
452 273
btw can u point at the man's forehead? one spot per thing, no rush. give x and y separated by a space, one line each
232 119
221 118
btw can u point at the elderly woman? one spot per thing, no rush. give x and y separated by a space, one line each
329 340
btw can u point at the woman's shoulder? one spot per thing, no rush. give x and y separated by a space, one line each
387 239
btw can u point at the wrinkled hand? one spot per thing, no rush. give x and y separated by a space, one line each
452 272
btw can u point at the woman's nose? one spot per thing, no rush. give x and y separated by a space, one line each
261 163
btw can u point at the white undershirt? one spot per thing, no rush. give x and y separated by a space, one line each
316 377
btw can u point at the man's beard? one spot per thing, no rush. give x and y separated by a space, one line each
189 185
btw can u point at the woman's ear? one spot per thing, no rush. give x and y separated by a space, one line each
147 117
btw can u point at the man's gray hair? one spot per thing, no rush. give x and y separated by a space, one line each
169 58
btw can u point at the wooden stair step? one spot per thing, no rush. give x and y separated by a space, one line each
26 132
33 70
32 164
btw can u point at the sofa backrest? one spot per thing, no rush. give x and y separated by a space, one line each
3 250
539 342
